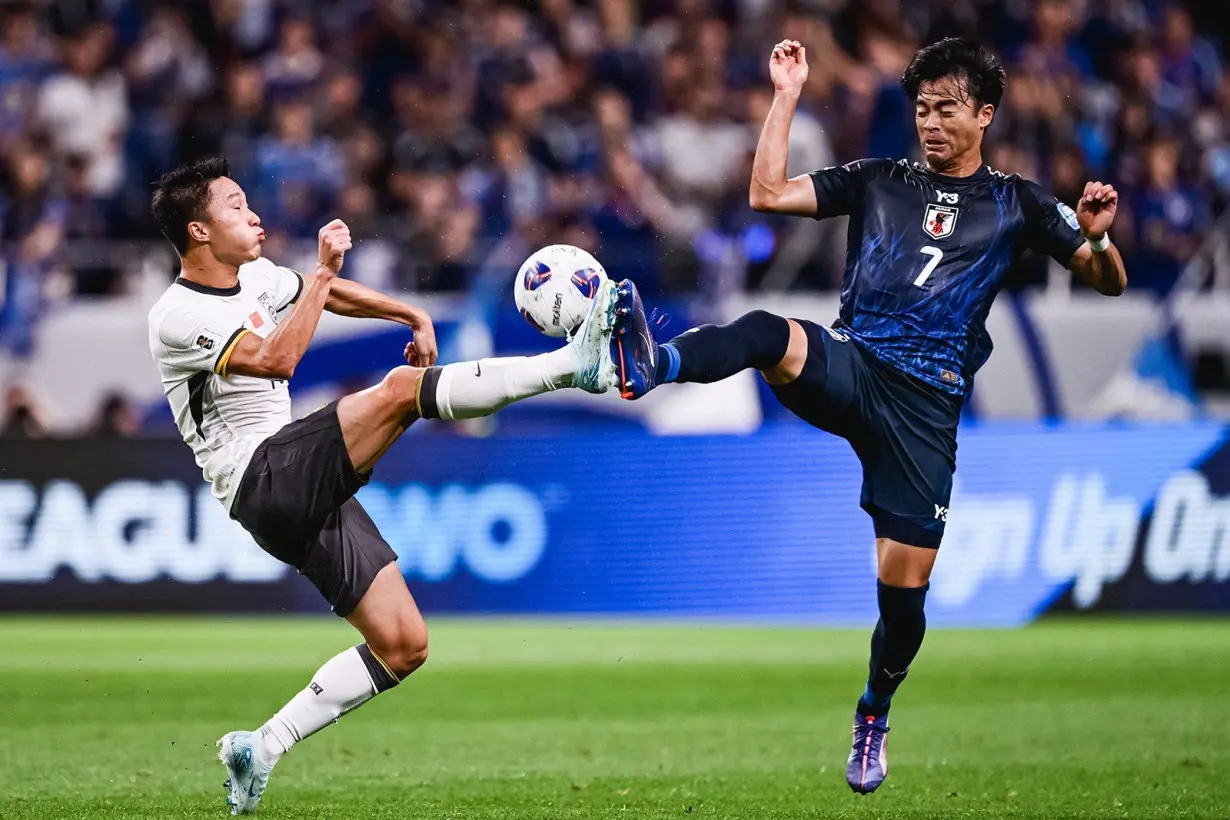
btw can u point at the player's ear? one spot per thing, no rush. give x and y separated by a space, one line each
198 232
985 114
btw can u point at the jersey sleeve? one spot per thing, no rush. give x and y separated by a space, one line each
287 286
840 188
197 340
1052 226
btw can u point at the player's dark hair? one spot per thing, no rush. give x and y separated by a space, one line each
182 195
963 60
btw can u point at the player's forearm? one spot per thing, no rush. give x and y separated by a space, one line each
284 347
1105 271
772 150
349 298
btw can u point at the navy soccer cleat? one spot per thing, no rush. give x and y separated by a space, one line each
868 763
633 349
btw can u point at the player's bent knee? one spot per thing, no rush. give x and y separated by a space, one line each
402 645
792 363
903 565
401 388
410 653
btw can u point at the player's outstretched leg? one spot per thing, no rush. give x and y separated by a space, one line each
395 646
705 354
373 419
901 592
472 389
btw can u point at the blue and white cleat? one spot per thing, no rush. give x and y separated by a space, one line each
633 349
868 763
247 773
595 373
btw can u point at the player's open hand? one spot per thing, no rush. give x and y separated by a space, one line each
788 66
334 241
421 351
1096 210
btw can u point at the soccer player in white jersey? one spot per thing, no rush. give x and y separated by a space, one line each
227 336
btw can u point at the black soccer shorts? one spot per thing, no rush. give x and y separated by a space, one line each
903 431
297 500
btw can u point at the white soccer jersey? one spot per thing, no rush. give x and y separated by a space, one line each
193 329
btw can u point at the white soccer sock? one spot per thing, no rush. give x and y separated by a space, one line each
342 684
469 390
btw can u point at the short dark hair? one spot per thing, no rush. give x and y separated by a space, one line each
182 195
961 59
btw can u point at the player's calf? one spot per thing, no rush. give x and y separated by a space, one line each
901 594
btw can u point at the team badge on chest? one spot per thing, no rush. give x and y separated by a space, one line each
940 220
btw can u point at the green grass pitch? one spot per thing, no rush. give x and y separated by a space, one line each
115 718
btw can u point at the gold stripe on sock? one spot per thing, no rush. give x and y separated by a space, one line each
380 660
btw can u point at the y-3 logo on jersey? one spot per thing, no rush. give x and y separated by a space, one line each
947 199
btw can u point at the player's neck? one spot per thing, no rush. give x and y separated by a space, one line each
965 165
208 271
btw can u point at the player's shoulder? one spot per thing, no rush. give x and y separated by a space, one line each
172 299
875 166
1037 198
1033 193
861 168
181 306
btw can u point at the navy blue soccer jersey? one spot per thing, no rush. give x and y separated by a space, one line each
926 254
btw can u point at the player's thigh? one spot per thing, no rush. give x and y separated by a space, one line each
823 392
372 419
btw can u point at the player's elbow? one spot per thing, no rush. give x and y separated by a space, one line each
1109 286
283 371
761 199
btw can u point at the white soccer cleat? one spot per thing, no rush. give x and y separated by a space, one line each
595 372
247 773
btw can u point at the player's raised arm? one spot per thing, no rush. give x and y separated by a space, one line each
278 354
770 190
1098 261
349 298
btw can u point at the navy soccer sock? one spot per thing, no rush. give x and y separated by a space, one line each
895 642
711 353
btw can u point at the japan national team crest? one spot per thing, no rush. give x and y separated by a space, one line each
940 220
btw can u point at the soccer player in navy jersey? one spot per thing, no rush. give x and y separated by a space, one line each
928 246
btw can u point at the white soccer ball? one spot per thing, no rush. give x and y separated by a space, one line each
555 287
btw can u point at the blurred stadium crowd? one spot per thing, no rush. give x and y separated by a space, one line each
445 131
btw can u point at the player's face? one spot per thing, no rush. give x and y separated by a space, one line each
233 229
950 122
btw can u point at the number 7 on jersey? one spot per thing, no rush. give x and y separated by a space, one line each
936 255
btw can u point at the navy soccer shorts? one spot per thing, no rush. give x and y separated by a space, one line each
903 431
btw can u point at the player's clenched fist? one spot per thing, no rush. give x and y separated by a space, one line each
1096 211
788 66
334 242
